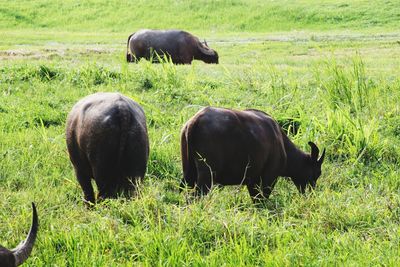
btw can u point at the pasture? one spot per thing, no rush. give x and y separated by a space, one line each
326 72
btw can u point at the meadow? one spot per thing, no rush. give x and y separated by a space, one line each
327 72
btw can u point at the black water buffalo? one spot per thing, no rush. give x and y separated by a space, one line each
17 256
231 147
181 46
107 140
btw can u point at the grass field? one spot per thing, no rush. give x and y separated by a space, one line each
331 70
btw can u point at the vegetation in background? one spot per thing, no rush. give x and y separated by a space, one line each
220 16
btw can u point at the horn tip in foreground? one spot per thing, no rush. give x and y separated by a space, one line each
24 249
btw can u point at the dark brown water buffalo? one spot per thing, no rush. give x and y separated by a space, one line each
107 141
17 256
247 147
181 46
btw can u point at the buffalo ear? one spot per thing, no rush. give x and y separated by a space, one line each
321 159
314 151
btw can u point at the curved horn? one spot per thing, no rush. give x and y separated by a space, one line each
321 159
205 50
23 250
314 151
205 42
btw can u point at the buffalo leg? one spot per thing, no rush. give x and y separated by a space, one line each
106 189
106 181
255 192
189 175
268 183
132 165
188 164
128 185
86 185
82 170
204 179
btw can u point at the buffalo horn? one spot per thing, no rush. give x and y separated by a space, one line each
23 250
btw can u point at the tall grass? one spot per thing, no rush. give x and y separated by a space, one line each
346 87
352 211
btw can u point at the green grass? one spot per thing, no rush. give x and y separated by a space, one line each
331 70
215 16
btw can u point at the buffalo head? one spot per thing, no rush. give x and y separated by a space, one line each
208 55
310 169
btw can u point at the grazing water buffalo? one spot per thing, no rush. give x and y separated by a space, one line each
181 46
17 256
247 147
107 141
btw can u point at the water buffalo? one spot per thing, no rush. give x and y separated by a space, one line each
17 256
107 140
231 147
181 46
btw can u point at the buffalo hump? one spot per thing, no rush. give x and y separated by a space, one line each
107 140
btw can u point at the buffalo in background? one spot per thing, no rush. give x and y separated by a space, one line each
182 47
230 147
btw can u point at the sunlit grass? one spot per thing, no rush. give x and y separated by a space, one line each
328 73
